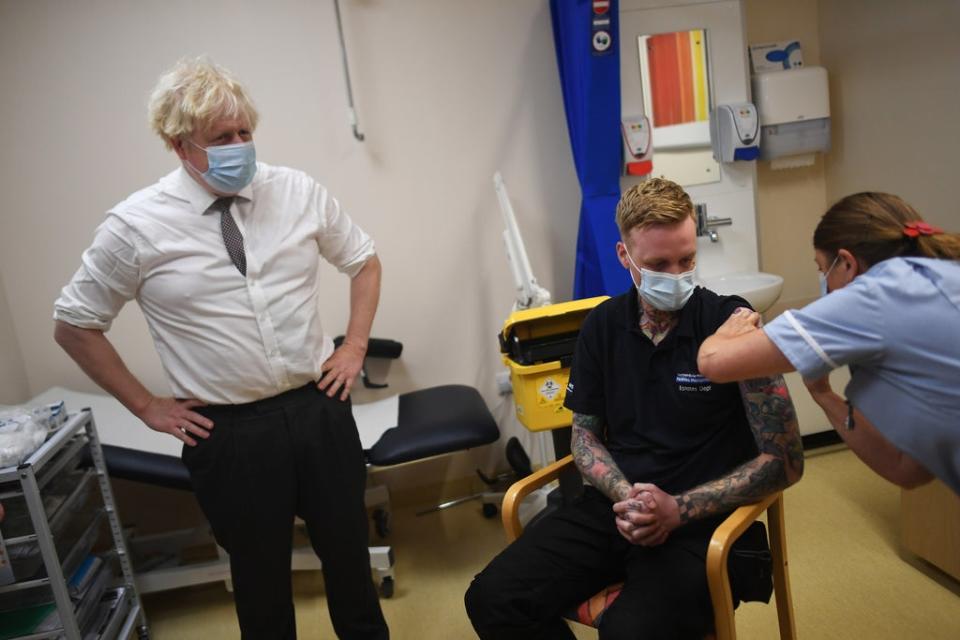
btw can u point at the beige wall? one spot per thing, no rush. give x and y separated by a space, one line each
791 201
13 375
447 92
893 69
894 90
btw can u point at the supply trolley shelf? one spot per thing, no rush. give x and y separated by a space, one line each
52 584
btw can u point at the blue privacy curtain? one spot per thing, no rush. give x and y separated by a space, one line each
586 35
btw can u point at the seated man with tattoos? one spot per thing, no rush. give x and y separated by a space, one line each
667 453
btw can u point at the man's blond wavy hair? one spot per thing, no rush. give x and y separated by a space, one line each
192 95
653 201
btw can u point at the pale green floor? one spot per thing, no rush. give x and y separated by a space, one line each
848 578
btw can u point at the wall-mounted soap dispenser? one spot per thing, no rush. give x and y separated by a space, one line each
794 108
735 132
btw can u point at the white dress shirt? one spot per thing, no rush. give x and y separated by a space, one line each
222 338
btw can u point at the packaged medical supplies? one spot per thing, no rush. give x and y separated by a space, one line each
23 430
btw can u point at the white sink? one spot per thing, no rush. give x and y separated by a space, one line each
760 289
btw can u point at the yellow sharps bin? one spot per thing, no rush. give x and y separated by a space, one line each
537 344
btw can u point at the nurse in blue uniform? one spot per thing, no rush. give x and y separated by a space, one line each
893 316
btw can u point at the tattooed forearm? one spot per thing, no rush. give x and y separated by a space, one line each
593 460
747 483
774 422
780 463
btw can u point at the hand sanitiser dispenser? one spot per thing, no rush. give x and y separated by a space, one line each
735 132
637 145
794 108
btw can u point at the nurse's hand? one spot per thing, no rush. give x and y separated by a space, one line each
169 415
341 369
741 321
819 387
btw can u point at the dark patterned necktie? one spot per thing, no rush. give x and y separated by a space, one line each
232 237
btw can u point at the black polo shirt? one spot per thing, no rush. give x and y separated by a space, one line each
665 423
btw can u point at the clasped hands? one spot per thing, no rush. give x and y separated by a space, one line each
647 515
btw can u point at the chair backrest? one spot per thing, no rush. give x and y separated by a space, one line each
718 579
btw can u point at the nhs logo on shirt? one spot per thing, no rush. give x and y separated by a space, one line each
693 382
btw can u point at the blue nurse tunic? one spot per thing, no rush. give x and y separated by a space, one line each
898 327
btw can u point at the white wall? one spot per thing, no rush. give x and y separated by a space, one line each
894 90
733 195
13 380
447 92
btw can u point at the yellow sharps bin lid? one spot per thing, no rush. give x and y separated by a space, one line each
548 320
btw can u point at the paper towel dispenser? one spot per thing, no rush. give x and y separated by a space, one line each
794 109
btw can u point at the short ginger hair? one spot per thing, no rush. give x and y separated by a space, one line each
653 201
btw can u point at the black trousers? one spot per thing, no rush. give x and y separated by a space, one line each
295 454
575 552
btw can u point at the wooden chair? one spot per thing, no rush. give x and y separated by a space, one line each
717 576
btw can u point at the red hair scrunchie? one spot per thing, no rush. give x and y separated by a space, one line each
916 228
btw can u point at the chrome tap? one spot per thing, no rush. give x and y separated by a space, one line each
706 223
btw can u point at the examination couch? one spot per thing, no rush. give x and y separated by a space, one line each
428 422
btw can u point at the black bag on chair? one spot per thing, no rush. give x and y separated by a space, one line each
751 566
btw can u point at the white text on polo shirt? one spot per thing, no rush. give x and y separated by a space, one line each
692 382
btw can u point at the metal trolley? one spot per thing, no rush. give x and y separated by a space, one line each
44 544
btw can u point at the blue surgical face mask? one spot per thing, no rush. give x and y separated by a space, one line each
663 291
823 277
230 167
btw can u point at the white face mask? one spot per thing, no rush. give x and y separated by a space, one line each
663 291
823 277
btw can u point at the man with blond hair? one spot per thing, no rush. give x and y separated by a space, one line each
222 256
667 454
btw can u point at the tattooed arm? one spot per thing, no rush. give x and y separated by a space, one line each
594 461
779 464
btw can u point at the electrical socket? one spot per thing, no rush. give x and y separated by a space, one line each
504 388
